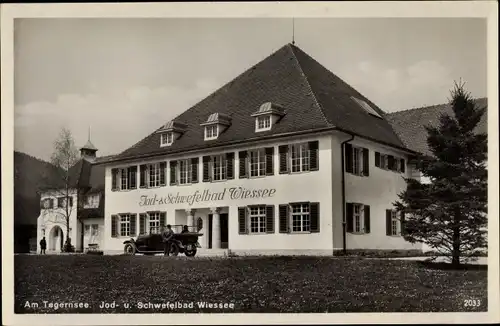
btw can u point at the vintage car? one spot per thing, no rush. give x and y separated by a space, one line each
151 244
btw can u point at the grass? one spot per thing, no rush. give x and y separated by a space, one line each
274 284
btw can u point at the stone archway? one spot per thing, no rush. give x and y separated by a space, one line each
56 239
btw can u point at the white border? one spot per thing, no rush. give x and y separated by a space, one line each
484 9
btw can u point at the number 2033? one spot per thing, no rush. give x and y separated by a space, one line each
472 303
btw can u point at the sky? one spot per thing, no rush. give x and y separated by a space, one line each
123 78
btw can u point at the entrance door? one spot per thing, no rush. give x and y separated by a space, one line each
224 234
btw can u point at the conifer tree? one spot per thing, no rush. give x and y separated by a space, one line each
449 214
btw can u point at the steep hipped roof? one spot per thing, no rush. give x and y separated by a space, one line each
313 98
410 124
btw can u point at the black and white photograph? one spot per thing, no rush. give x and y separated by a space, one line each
189 167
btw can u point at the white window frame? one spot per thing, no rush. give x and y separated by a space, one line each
94 230
384 161
302 213
124 225
395 224
263 123
124 179
86 230
211 132
219 169
300 158
257 168
153 175
358 218
154 222
92 201
185 172
166 138
357 161
257 219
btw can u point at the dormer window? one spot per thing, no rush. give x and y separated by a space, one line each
211 132
167 139
215 125
264 122
267 115
171 131
365 106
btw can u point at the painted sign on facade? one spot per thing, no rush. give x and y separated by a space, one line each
232 193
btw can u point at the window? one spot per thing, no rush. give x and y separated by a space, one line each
185 172
92 201
257 218
394 223
357 210
167 139
95 229
211 132
87 229
300 157
257 163
154 222
300 217
154 175
125 225
219 167
383 161
128 178
60 202
357 157
263 123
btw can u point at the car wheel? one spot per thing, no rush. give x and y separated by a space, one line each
174 249
129 249
191 253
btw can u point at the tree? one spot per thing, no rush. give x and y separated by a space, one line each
450 213
63 186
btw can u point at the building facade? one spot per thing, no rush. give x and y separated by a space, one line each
285 159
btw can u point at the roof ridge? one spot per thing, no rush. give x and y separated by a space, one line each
430 106
291 46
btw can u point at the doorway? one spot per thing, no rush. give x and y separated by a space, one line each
56 239
224 234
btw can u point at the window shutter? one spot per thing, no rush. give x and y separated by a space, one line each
163 219
114 226
402 223
270 161
313 155
133 225
132 180
367 218
314 213
366 162
194 170
42 206
377 159
173 173
230 165
242 220
114 179
243 164
270 219
390 163
70 201
206 169
388 227
283 151
163 178
348 158
51 203
142 177
403 165
142 223
349 217
284 220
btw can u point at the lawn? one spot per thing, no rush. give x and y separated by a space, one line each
273 284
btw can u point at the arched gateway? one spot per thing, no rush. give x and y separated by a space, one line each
56 239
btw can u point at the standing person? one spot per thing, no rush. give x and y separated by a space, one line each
43 245
167 239
185 229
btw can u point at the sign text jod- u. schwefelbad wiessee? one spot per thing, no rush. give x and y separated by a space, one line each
206 195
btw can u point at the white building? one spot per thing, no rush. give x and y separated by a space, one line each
85 206
286 158
257 168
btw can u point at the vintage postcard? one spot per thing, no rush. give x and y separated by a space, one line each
250 163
